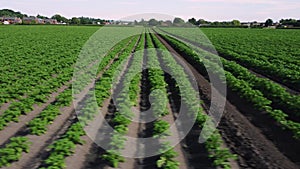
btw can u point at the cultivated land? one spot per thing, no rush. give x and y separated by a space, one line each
260 127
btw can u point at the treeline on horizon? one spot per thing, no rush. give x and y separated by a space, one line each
153 22
74 20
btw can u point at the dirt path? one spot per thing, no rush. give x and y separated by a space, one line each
4 107
253 148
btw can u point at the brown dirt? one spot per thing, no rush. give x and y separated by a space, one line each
181 158
4 107
245 139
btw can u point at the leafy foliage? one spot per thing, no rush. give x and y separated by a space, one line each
241 87
13 150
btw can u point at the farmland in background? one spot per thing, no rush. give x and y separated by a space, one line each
260 127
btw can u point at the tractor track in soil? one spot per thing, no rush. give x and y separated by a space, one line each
241 134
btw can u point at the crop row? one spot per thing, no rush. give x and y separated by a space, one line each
39 124
281 66
13 150
159 107
220 155
277 94
65 146
243 88
25 71
125 99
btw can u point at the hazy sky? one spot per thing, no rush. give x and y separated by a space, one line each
244 10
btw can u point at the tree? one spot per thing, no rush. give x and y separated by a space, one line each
75 21
201 21
11 13
192 21
143 22
269 22
178 22
236 23
41 17
60 18
153 22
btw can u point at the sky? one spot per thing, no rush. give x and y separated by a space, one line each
212 10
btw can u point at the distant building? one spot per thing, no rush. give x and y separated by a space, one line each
203 25
11 20
31 20
248 24
50 21
257 24
40 21
288 26
271 27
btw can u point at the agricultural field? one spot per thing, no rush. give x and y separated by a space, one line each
41 127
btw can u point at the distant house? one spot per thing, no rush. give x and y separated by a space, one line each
204 25
271 27
11 20
257 24
40 21
288 26
248 24
50 21
30 20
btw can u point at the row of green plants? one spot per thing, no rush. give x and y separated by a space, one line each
241 87
276 93
13 150
63 147
38 125
33 56
214 144
161 129
87 77
279 72
251 51
127 98
40 94
66 145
